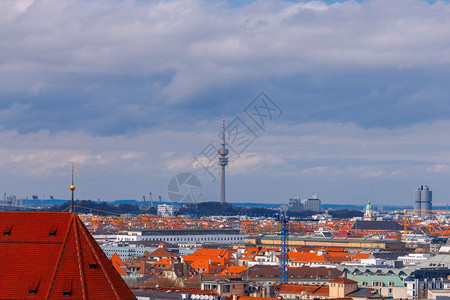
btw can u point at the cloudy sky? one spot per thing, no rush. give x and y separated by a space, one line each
132 91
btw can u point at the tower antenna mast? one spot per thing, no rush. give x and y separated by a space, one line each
223 162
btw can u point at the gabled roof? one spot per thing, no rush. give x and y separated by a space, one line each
118 264
233 270
342 280
206 252
364 293
52 255
377 225
160 252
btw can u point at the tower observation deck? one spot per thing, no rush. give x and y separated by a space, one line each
223 162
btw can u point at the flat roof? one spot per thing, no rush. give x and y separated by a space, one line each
325 239
188 231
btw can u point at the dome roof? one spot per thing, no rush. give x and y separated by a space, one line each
369 206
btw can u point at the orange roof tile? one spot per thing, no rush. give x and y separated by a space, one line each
256 298
233 270
118 264
342 280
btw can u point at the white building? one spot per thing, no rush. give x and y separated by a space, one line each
312 204
13 200
127 251
295 204
179 236
414 258
165 210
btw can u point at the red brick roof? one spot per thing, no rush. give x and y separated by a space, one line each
160 252
52 255
343 280
118 264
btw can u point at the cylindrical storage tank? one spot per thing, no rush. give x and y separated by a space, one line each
417 201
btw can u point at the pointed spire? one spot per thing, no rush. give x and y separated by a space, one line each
72 188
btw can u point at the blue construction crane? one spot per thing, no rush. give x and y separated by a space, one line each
283 218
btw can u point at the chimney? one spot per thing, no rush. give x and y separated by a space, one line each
160 245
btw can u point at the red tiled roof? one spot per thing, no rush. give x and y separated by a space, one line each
52 254
255 298
118 264
299 288
343 280
160 252
233 270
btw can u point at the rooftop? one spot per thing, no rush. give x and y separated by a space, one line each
52 255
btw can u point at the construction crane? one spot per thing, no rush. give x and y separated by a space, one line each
433 212
283 218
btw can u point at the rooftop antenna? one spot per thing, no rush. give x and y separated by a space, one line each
72 188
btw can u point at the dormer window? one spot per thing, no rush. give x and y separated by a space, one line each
34 286
7 230
91 261
52 231
67 287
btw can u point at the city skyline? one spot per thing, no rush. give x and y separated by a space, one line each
131 92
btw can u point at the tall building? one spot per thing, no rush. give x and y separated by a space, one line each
223 162
312 204
164 210
295 204
422 200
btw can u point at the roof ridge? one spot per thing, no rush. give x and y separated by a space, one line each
96 256
80 264
59 259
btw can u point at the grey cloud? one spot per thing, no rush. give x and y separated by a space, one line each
181 59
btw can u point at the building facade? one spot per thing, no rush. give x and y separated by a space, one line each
295 204
179 236
422 200
312 204
165 210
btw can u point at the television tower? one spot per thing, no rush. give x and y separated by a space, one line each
223 162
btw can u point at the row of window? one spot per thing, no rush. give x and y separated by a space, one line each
194 239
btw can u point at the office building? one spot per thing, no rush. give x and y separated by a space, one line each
422 200
164 210
312 204
295 204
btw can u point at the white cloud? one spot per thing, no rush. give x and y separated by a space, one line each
294 157
36 88
55 57
439 168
